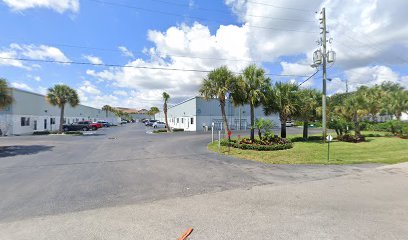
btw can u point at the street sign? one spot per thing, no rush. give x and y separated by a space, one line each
329 138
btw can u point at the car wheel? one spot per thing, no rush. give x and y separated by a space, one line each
154 126
94 128
85 129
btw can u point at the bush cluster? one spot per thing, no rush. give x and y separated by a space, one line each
393 126
351 138
41 133
74 133
159 131
178 130
244 146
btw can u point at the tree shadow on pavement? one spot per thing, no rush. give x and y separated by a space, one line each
10 151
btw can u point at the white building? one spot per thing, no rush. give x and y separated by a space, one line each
198 114
31 112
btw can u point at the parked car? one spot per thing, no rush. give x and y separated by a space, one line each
159 125
104 123
150 122
290 124
78 126
97 125
123 122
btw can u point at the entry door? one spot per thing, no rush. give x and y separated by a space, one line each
45 124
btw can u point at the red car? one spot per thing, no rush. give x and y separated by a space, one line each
96 125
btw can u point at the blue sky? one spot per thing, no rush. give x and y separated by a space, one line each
157 33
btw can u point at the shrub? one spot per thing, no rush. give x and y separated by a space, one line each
160 131
41 133
257 145
311 138
178 130
351 138
73 133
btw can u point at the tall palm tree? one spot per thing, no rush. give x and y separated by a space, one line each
166 98
5 94
218 84
251 88
107 109
59 95
282 98
373 97
310 101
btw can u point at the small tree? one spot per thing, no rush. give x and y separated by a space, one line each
60 95
264 125
309 102
5 94
166 97
153 111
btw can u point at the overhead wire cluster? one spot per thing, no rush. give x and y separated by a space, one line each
118 4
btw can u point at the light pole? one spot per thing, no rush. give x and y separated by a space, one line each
322 57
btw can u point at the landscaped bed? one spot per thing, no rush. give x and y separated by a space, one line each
375 150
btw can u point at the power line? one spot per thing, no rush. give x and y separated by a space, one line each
131 66
281 7
228 13
307 79
196 18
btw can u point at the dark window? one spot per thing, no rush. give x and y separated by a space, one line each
45 124
182 120
52 120
25 121
192 120
35 124
177 120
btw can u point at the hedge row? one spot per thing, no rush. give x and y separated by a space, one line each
160 131
274 147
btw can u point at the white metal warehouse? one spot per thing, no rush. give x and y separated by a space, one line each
30 112
198 114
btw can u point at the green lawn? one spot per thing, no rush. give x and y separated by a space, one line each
375 150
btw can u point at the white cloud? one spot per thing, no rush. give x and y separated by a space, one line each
22 86
93 59
9 56
297 69
57 5
120 93
42 52
126 52
88 88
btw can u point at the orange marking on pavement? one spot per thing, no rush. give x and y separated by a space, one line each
186 234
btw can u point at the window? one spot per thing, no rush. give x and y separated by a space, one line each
177 120
45 124
25 121
182 120
192 120
52 120
35 124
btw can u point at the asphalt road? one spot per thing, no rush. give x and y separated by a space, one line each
44 178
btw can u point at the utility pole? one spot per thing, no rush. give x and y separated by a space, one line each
324 42
322 57
347 86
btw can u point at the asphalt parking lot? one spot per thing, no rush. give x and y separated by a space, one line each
42 177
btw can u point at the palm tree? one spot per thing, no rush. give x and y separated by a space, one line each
352 110
283 98
166 98
153 111
107 109
310 101
60 95
373 97
218 84
398 103
5 94
251 88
